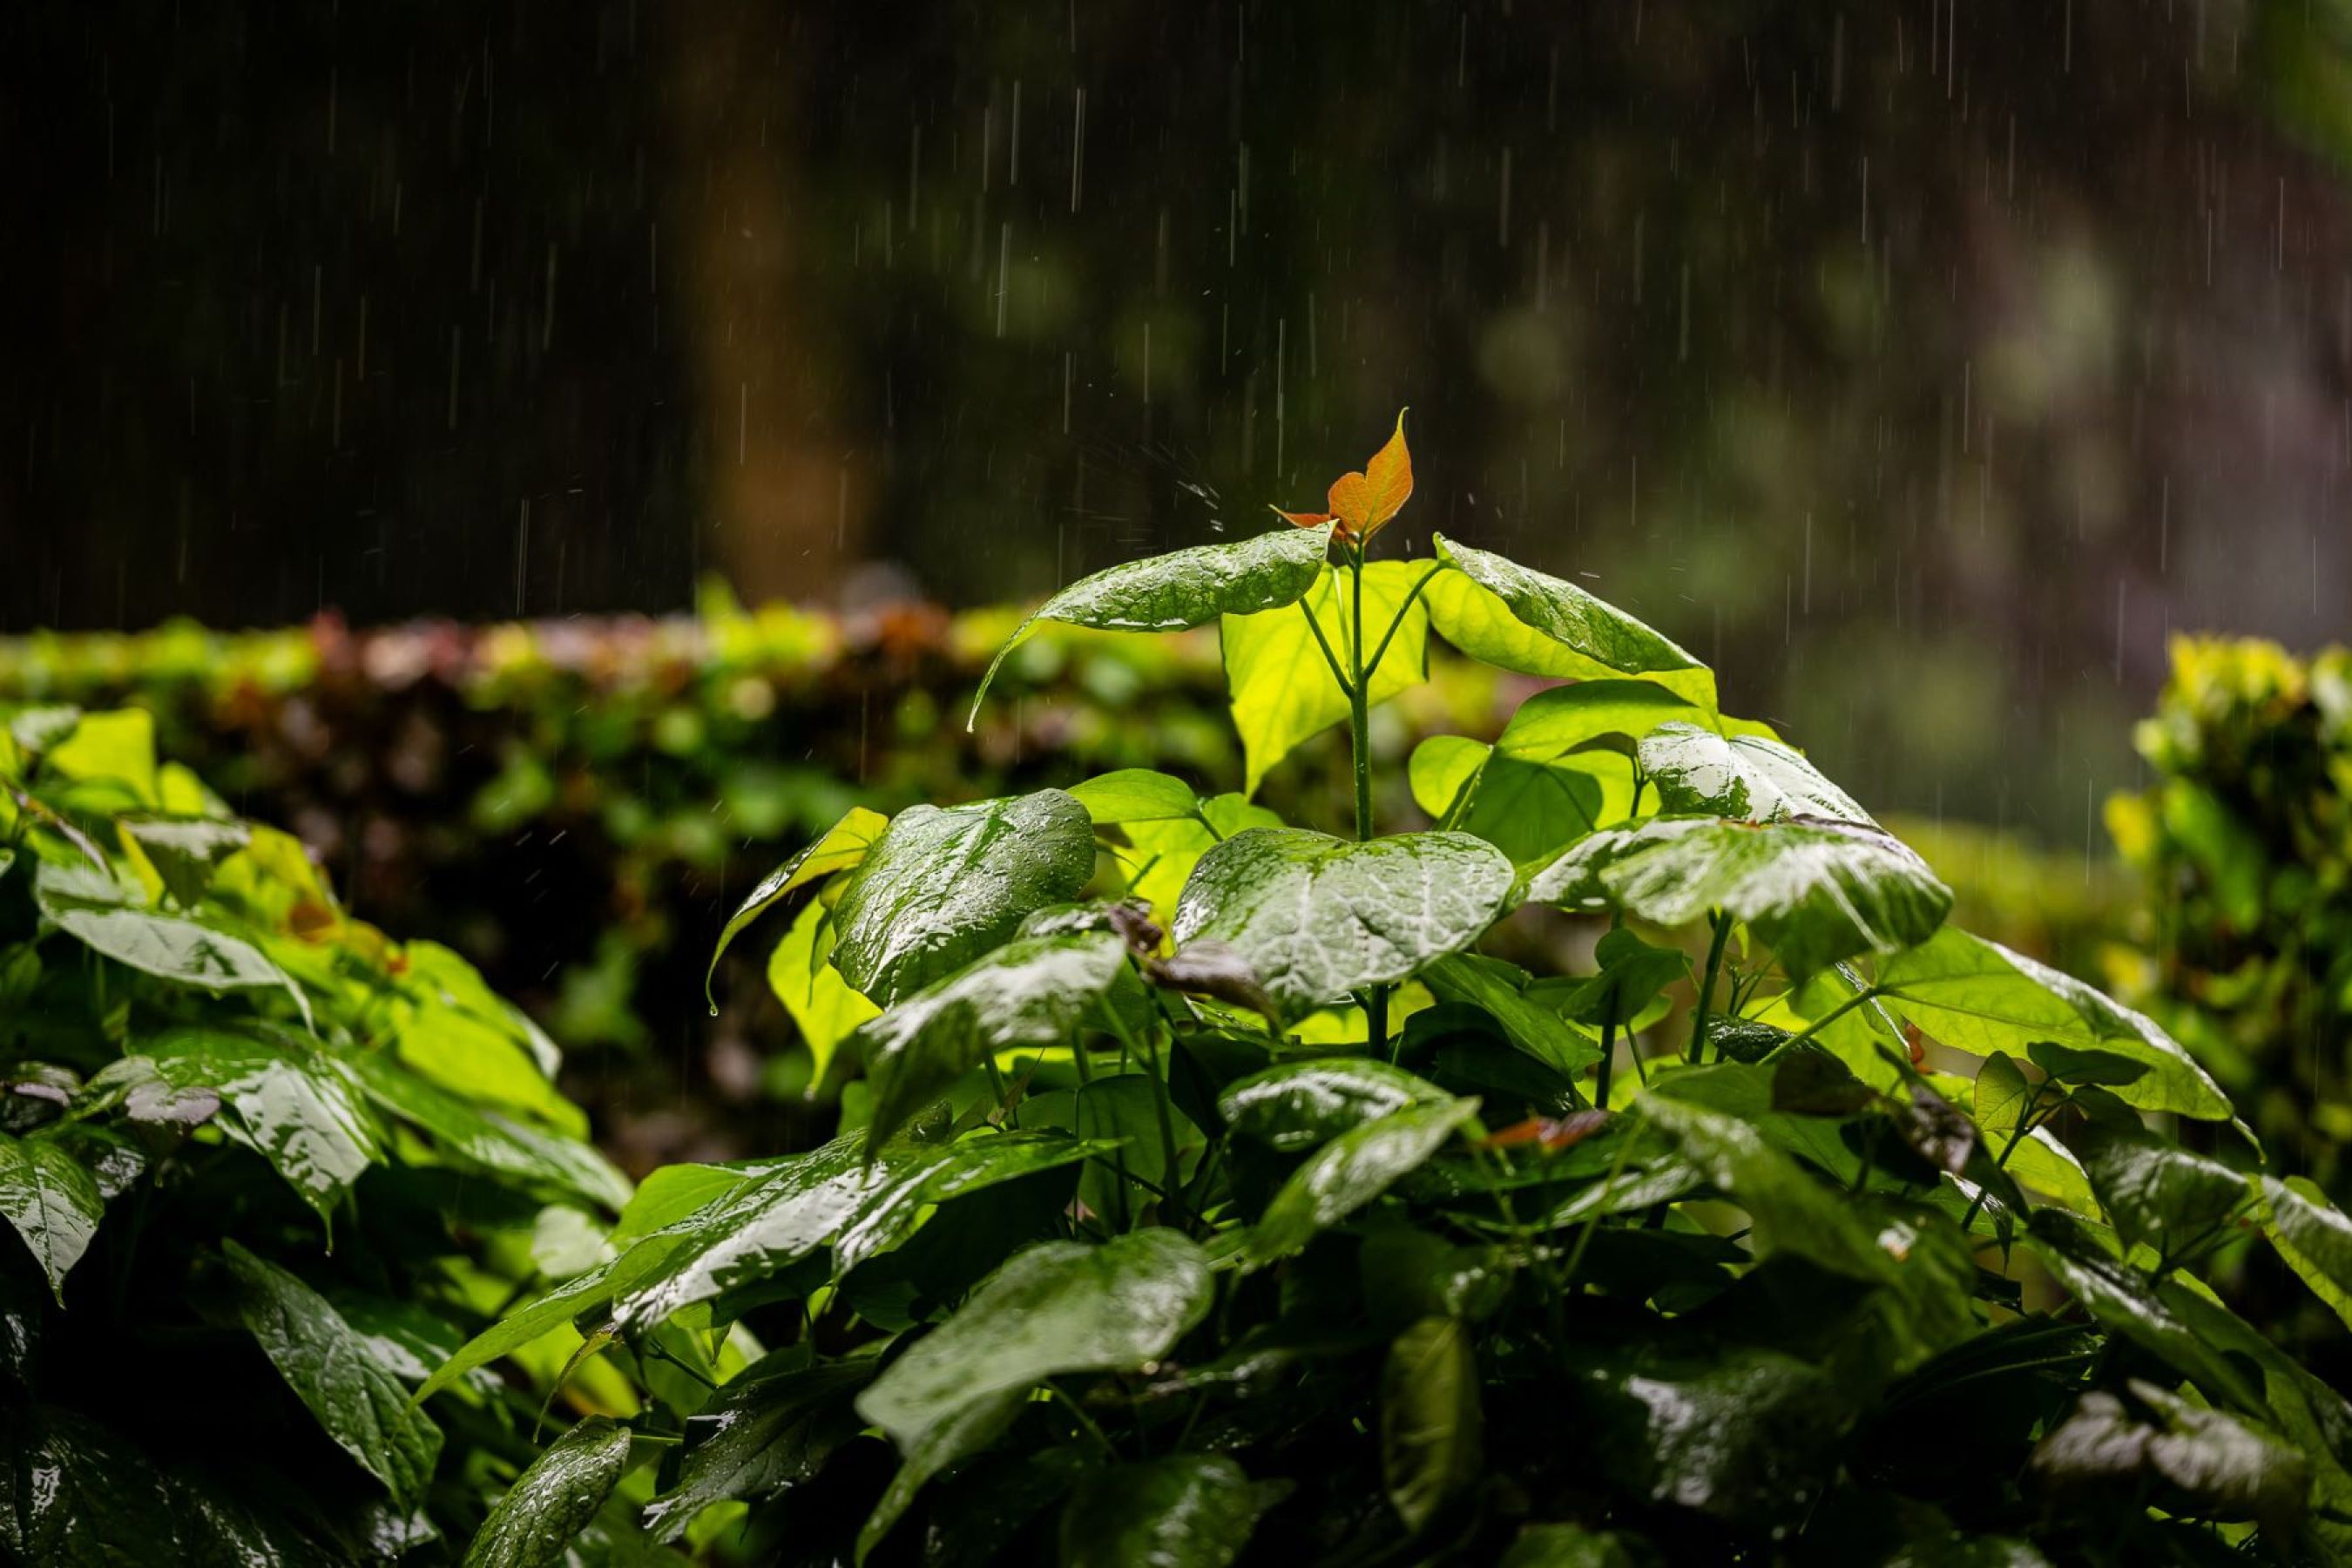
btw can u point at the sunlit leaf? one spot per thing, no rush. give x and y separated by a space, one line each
1749 778
1282 688
822 1005
838 848
1181 589
1506 615
1318 917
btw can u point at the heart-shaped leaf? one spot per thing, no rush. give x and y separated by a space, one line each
1816 892
1182 589
1506 615
1749 778
939 887
1318 917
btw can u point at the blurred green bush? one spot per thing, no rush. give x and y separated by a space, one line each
2243 942
539 796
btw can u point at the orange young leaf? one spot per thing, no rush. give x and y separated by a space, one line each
1303 519
1364 501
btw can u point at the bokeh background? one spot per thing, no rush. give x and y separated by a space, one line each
1923 365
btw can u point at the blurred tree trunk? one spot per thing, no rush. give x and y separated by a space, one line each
782 496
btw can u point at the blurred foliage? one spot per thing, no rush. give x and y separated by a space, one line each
541 795
2245 846
261 1166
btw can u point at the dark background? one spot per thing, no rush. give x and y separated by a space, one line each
1923 364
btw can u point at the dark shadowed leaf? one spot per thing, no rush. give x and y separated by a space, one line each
1032 991
337 1374
1748 1435
1060 1307
551 1503
952 1438
1568 1546
2312 1235
2220 1466
1349 1171
2154 1191
75 1495
1499 990
1217 971
1188 1510
286 1100
1296 1106
1429 1418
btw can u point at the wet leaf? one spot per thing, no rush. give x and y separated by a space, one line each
1749 778
1632 974
1181 589
820 1002
2220 1466
757 1437
184 850
1499 990
1503 613
1750 1435
1058 1307
1135 794
1978 996
553 1502
359 1401
286 1101
838 848
2156 1192
102 914
75 1495
1032 991
1429 1418
1188 1510
1349 1171
1296 1106
1318 917
1816 892
469 1135
941 888
2312 1235
1568 1546
52 1201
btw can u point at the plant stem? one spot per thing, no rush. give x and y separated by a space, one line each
1722 924
1608 1056
1376 999
2000 1161
1867 994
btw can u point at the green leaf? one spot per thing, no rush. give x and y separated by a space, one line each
956 1436
1180 590
483 1140
553 1500
98 912
1135 794
1749 778
1978 996
1032 991
821 1004
75 1495
2222 1468
1282 688
1160 856
54 1203
1632 974
2124 1299
1817 892
286 1103
1349 1171
484 1060
1502 614
1530 811
1060 1307
834 1196
759 1435
1561 720
1748 1436
543 1315
335 1371
2158 1193
838 848
118 746
1429 1419
184 850
1188 1510
1318 917
2001 1098
1296 1106
1568 1546
941 886
1500 991
2312 1235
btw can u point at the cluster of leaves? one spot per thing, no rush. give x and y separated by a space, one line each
567 803
1203 1191
2243 844
268 1168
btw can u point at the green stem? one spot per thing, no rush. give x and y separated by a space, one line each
1338 671
1722 924
2000 1161
1608 1056
1867 994
1372 666
1150 1054
1375 1001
